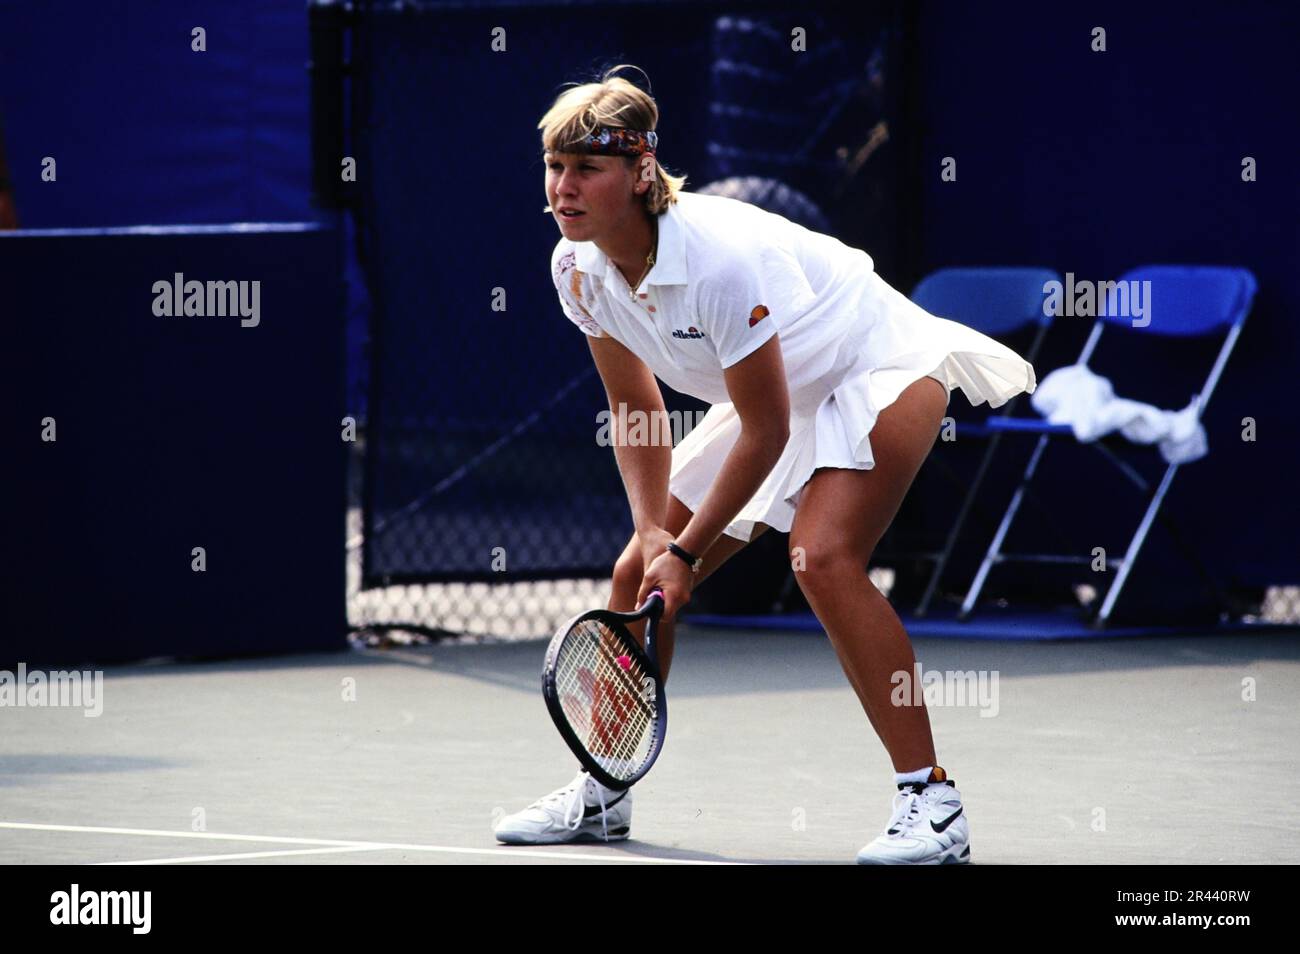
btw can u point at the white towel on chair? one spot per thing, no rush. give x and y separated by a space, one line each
1087 403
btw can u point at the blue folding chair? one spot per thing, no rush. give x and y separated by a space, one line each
1185 301
996 302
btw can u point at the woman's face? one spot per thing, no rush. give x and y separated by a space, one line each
601 189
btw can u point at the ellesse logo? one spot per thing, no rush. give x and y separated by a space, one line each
758 314
691 332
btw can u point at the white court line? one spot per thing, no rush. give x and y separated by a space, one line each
342 843
244 855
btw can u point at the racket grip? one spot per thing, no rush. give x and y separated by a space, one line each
658 594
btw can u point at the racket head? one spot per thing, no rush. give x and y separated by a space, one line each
605 695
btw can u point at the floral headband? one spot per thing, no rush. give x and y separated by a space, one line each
615 141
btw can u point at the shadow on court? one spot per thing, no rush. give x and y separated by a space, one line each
1091 751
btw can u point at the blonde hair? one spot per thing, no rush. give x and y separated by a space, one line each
611 102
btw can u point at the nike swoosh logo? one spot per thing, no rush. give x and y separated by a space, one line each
946 822
590 810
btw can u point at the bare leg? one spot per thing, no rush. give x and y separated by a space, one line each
841 517
628 573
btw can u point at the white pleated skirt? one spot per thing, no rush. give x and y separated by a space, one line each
837 433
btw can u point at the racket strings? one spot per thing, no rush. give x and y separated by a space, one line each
601 688
610 694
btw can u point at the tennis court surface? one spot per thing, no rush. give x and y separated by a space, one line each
1089 751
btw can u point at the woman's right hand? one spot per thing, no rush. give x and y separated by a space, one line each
653 543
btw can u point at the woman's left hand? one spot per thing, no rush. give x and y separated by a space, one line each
670 574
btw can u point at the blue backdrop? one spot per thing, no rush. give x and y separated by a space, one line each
1096 162
1083 161
144 129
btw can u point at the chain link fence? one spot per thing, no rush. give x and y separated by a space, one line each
481 504
482 501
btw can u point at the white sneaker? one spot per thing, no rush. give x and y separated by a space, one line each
583 810
928 827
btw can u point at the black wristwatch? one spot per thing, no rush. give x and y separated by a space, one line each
692 561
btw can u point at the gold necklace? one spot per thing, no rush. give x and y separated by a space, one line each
649 264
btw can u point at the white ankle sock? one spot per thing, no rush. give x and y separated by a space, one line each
920 775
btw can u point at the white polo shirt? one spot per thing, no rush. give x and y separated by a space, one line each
728 275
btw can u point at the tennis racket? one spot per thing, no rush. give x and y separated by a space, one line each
605 693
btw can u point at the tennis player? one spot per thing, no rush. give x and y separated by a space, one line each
828 389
